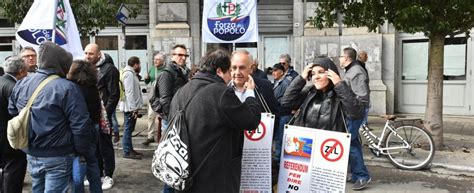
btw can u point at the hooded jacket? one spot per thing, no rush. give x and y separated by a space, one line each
59 122
108 83
318 109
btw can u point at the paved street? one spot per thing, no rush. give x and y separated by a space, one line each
135 175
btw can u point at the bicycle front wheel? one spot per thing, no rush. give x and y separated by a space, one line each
417 155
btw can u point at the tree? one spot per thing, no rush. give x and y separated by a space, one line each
91 15
435 18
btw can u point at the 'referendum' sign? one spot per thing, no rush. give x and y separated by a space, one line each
229 21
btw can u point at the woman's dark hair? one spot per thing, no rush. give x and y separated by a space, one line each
214 60
82 73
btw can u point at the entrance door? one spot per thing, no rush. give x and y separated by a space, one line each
273 47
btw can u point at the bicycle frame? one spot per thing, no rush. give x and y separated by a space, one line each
378 146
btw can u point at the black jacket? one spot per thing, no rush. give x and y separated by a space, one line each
6 87
317 108
265 89
167 84
213 113
108 83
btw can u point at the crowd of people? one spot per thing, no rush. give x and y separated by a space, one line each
72 130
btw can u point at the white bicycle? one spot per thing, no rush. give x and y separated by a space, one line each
406 145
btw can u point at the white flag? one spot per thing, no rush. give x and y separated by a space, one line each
50 20
230 21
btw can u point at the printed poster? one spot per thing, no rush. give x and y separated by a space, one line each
256 176
313 160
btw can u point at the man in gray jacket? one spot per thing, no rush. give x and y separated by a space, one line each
130 105
356 77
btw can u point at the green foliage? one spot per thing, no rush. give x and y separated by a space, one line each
91 15
445 17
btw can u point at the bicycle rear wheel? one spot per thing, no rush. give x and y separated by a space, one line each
418 156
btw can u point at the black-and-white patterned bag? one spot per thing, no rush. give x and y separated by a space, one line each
172 159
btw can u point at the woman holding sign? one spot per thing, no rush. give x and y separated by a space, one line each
322 104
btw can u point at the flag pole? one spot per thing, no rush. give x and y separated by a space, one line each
53 31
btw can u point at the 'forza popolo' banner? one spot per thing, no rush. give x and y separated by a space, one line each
229 21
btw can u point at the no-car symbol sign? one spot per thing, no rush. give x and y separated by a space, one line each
257 134
332 150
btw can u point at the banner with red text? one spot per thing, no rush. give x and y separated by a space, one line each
313 160
256 176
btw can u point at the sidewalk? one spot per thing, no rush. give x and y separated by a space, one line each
456 158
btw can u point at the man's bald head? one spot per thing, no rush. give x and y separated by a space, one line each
92 53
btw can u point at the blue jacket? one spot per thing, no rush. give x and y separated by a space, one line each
59 122
279 91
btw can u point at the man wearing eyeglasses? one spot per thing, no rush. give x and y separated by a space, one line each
28 54
357 79
173 76
290 72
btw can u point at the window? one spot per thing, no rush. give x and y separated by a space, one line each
6 47
137 46
109 45
415 59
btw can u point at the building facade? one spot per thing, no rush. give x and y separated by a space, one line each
397 64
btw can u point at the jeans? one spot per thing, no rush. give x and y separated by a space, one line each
115 124
164 125
129 126
366 116
105 152
50 174
89 167
356 159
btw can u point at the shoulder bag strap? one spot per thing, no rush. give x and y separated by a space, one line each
39 88
344 120
263 101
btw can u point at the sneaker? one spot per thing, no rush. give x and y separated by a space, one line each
107 183
132 155
361 184
86 182
148 141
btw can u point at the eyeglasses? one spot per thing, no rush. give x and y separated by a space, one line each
29 56
180 55
342 56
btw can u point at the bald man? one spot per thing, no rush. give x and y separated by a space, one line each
108 84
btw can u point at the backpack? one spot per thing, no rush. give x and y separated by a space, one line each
121 86
155 99
172 159
17 130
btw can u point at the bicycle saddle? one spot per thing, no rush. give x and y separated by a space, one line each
389 117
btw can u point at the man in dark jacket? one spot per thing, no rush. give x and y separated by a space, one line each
108 85
173 76
257 72
285 60
12 161
279 88
59 124
357 79
216 118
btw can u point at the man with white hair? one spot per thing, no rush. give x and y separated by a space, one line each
12 161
